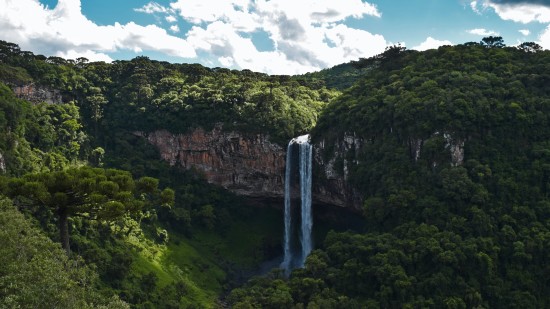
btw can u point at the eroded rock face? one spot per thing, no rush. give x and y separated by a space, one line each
246 164
332 186
251 165
2 164
38 94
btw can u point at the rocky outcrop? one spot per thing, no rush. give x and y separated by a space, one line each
456 147
251 165
2 164
334 163
247 164
38 94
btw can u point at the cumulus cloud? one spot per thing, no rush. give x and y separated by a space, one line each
175 28
65 31
516 2
483 32
525 32
307 35
431 43
304 35
221 41
517 10
151 8
88 54
544 38
474 7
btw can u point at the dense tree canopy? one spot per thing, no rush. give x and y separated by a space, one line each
95 193
453 166
453 170
36 273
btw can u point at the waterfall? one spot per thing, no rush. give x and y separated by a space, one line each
286 265
305 193
291 258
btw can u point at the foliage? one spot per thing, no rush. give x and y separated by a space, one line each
441 230
36 273
453 167
94 193
41 137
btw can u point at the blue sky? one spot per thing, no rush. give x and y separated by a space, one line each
272 36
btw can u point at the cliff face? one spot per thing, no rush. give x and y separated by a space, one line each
245 164
249 164
37 94
333 164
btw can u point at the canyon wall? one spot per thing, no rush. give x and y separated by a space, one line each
249 164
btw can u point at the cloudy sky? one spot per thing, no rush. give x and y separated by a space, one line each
272 36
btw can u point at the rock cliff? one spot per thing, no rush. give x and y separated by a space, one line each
251 165
333 164
246 164
38 94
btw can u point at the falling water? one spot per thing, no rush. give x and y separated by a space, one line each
305 190
304 168
288 217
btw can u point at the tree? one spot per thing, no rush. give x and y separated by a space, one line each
35 273
92 193
492 41
530 47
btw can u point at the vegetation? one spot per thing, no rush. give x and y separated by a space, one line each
36 273
453 166
441 231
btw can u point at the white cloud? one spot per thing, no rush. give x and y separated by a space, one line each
318 11
65 31
431 43
525 32
88 54
307 35
151 8
234 12
483 32
223 42
544 38
521 11
175 28
474 7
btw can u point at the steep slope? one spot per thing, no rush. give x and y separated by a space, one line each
448 149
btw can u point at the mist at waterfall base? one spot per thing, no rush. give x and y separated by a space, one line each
297 234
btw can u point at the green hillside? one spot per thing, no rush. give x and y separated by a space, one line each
469 232
453 168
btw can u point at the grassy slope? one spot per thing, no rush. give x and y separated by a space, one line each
201 262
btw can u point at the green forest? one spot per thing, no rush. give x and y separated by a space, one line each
453 170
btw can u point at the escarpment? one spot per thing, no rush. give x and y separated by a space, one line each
248 164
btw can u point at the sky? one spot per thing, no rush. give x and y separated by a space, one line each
271 36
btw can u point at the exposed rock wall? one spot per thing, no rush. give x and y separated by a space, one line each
246 164
332 186
37 94
249 164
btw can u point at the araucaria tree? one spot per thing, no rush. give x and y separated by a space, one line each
93 193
